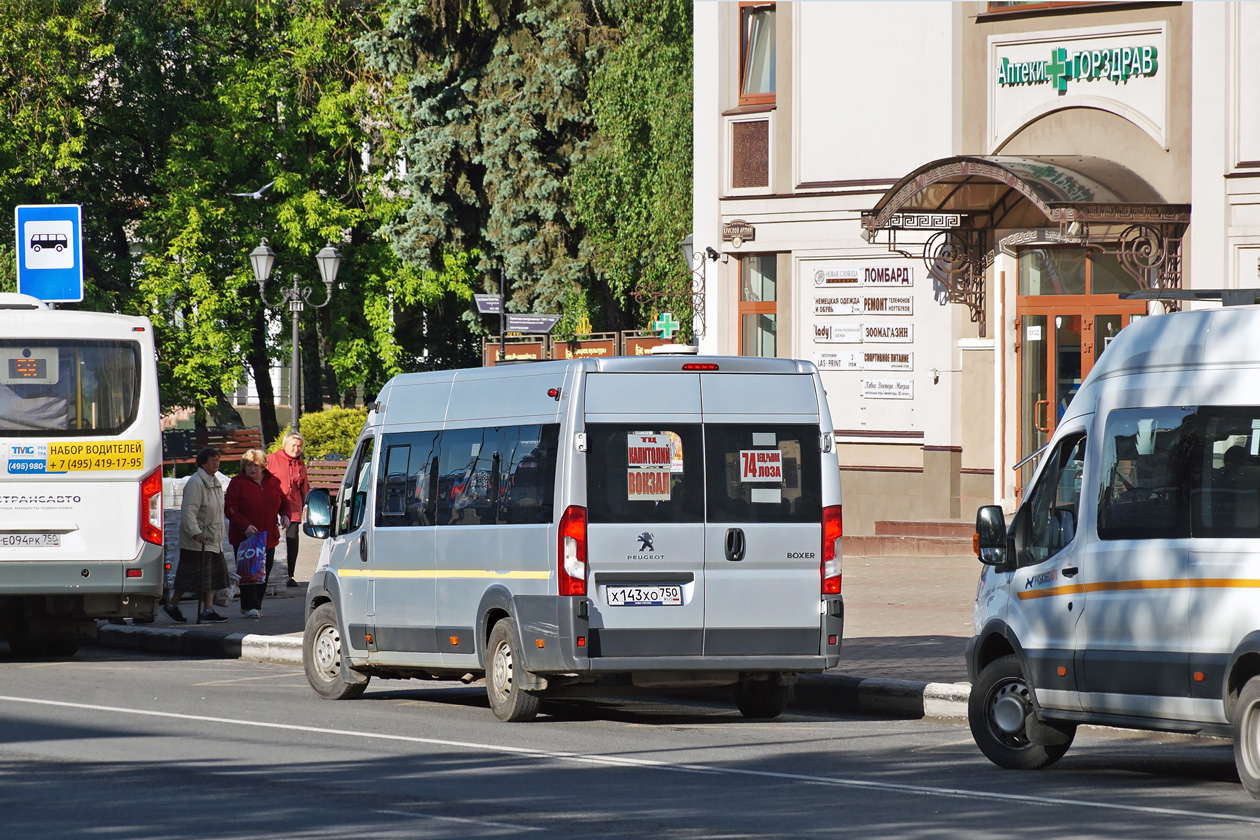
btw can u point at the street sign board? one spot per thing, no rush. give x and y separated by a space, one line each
489 304
50 251
531 323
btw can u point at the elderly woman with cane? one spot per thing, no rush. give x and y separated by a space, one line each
201 526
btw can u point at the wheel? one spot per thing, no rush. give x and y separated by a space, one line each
507 701
1000 711
36 248
321 656
1247 737
762 699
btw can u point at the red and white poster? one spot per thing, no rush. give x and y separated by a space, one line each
648 460
761 465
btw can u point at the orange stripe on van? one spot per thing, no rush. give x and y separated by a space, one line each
1130 585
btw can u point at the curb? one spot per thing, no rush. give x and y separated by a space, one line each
816 692
285 650
898 698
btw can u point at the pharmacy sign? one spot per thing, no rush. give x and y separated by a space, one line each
1123 70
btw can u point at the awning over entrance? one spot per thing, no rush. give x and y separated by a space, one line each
960 202
998 191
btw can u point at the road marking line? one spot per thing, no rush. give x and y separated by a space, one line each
508 826
651 764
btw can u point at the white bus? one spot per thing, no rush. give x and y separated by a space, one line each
80 474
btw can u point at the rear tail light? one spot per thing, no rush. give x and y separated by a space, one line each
571 563
151 507
832 554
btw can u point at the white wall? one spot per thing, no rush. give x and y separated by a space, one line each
874 88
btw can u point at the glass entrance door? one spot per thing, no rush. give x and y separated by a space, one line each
1058 345
1067 311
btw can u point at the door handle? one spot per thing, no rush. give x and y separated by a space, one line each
363 548
1070 571
1039 415
735 544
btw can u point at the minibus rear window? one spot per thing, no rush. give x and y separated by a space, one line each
763 472
62 389
644 473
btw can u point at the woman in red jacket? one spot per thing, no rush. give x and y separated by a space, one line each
288 465
252 504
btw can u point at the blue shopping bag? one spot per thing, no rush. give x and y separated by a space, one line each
251 559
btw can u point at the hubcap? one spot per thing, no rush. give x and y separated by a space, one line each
503 669
1249 743
1010 708
328 651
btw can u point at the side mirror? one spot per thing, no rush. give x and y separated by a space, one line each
991 543
318 519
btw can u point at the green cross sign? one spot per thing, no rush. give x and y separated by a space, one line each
666 326
1059 69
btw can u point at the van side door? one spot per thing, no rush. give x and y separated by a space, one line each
1048 589
349 558
403 551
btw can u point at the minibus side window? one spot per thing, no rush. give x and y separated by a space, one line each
404 491
467 477
763 472
1049 518
352 502
528 483
1225 492
640 472
1147 455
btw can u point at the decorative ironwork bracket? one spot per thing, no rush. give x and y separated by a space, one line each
694 286
958 260
1149 252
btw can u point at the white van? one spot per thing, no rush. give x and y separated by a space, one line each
657 520
80 473
1125 591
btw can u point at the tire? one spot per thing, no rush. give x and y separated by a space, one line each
998 709
321 656
508 702
762 699
1247 737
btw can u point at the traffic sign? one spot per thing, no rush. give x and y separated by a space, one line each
50 251
489 304
531 323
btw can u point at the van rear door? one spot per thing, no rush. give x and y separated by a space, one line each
763 539
645 514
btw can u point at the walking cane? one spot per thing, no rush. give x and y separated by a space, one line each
201 595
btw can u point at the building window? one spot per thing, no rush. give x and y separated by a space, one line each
758 305
756 54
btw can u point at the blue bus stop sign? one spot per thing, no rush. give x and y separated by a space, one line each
50 251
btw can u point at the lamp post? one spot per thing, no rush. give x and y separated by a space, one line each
263 259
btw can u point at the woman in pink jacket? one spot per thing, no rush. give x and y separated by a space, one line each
254 503
288 465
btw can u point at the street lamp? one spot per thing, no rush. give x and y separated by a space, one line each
263 260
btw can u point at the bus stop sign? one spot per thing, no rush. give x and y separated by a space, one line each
50 251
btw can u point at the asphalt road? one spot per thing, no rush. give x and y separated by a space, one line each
114 744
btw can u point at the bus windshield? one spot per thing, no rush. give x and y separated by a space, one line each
68 388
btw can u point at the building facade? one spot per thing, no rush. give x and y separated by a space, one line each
952 208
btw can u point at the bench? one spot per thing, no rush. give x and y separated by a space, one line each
326 472
180 446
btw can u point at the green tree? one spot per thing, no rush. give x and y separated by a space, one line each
492 95
632 190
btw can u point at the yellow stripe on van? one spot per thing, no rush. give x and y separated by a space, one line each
1130 585
418 574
